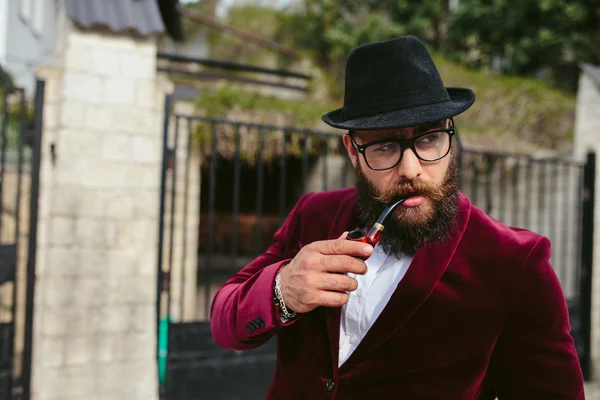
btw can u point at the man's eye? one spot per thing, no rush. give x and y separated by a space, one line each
385 147
431 138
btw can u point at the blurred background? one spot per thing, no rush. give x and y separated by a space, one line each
149 149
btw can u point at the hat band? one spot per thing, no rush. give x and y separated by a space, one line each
384 104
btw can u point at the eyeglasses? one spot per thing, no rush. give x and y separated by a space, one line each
387 153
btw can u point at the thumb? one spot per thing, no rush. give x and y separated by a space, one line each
343 235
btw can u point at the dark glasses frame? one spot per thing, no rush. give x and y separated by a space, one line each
404 144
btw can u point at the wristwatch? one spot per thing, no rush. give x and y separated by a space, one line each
284 314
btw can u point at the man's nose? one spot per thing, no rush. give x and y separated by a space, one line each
409 167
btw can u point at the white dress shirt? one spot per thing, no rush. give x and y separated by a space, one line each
366 303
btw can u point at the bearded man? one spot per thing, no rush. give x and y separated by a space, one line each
449 304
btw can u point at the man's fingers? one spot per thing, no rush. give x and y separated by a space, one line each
343 264
336 282
332 299
344 247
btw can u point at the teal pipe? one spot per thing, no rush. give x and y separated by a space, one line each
163 348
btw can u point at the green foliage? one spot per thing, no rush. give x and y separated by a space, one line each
219 102
13 121
236 104
325 31
425 19
513 109
528 36
11 116
328 30
259 21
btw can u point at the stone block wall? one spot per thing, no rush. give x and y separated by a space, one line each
587 138
94 319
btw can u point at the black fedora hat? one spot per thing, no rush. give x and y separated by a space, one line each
395 84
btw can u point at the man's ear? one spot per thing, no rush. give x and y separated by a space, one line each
352 153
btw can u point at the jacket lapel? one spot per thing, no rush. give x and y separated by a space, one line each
428 265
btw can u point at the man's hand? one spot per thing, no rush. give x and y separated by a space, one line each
316 276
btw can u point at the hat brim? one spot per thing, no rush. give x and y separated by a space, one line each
460 100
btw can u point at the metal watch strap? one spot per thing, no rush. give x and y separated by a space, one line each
285 314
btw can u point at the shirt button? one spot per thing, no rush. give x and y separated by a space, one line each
329 384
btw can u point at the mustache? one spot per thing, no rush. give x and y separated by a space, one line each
410 188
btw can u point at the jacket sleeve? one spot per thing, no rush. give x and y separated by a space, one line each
243 315
535 356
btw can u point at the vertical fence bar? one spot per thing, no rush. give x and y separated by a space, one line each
6 352
581 195
305 155
567 225
345 172
527 194
474 180
489 171
282 175
459 157
186 191
325 162
259 192
211 218
236 197
20 149
552 214
516 192
173 162
7 89
503 191
541 203
162 321
32 242
587 255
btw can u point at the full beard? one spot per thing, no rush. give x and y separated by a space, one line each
409 228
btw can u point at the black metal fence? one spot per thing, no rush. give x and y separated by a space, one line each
246 177
20 132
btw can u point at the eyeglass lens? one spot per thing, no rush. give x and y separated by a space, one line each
429 147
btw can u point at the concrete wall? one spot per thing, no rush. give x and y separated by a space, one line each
94 321
587 117
587 138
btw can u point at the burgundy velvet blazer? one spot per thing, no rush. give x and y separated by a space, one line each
479 316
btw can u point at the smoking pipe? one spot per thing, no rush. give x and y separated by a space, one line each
372 236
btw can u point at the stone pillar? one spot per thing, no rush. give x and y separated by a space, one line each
587 138
94 319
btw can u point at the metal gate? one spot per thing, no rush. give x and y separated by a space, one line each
20 132
227 186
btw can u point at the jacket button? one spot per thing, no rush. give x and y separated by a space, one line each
329 384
